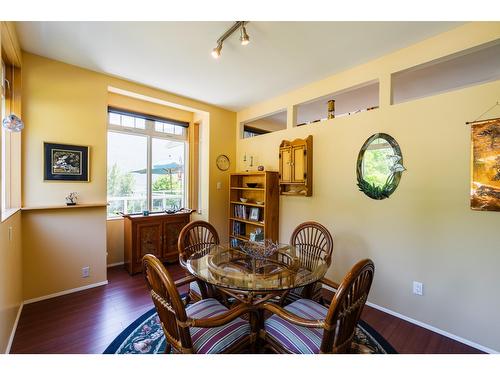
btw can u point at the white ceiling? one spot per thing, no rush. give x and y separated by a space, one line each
175 56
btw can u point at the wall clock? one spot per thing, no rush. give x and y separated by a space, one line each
223 162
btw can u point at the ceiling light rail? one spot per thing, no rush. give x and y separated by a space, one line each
244 38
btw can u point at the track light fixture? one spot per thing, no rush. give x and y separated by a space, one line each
244 38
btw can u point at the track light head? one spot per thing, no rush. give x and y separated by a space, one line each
216 51
244 38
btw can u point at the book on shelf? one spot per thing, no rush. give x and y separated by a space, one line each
239 229
241 211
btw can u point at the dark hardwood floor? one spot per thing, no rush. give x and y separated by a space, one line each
87 321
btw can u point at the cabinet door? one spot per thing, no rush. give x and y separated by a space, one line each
148 240
286 164
171 230
298 164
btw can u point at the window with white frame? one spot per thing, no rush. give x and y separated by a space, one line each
6 203
147 159
3 202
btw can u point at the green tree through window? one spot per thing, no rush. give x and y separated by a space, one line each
119 183
376 165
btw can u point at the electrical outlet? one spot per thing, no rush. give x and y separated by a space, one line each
86 271
418 288
219 185
10 233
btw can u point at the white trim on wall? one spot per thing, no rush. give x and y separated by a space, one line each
115 264
14 329
90 286
427 326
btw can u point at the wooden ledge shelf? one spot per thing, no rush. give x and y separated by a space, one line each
239 237
253 222
248 204
247 188
58 207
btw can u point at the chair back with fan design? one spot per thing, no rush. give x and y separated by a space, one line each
312 241
196 237
346 307
168 303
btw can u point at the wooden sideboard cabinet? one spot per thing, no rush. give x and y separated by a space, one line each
155 234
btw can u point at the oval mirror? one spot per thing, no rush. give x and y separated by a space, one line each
379 167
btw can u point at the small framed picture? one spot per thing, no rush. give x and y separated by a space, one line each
254 214
63 162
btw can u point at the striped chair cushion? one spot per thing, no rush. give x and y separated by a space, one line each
215 340
294 338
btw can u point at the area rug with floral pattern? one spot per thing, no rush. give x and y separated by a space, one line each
145 336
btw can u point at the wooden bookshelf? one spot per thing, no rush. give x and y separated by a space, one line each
246 217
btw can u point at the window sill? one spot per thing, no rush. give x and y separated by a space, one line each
7 213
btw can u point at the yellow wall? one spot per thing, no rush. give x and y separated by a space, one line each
11 293
114 241
57 244
67 104
426 230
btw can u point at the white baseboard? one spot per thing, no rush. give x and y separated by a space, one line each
62 293
427 326
115 264
14 328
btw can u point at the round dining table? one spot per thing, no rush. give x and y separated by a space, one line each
253 275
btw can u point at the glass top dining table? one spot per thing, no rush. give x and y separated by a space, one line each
240 269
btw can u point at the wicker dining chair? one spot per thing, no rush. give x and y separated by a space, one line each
205 327
307 327
196 237
312 241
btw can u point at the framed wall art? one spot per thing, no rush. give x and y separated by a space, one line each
62 162
485 181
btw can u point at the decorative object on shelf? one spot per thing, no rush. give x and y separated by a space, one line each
259 202
13 123
485 165
65 162
260 168
257 235
254 214
223 162
252 184
174 208
145 213
331 109
260 249
244 200
379 166
247 159
71 198
296 167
